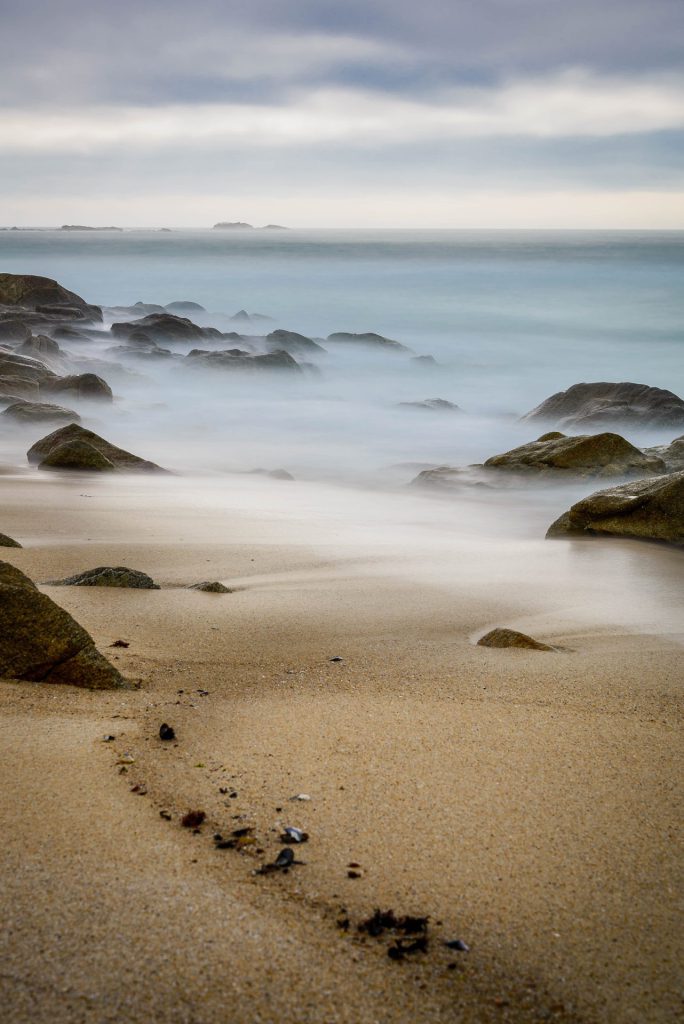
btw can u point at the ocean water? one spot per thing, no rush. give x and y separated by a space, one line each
510 318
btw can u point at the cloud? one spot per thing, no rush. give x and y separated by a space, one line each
572 104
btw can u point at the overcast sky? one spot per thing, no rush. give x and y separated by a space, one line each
440 113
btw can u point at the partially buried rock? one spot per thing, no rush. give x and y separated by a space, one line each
651 509
211 588
108 576
7 542
118 457
40 412
41 642
511 638
587 455
77 455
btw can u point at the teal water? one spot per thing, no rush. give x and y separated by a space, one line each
510 316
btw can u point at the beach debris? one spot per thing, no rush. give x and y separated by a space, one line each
457 944
126 759
165 815
354 873
140 790
337 658
120 643
410 932
501 637
166 732
193 819
301 796
238 839
284 861
203 693
293 835
108 738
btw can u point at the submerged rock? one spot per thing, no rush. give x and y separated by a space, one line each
7 542
432 404
120 459
237 359
40 412
587 455
601 403
651 509
165 327
27 367
41 642
290 341
511 638
368 339
108 576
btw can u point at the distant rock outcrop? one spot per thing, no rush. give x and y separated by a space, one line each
108 576
42 293
587 455
41 642
231 225
432 405
512 638
8 542
650 509
184 306
87 227
120 459
369 340
602 404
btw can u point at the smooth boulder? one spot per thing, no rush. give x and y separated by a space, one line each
120 459
86 386
651 509
501 637
109 576
77 456
601 403
41 642
40 412
368 339
290 341
587 455
165 327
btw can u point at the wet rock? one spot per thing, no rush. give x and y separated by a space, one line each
211 588
7 542
604 454
284 861
14 330
602 404
28 368
297 344
34 292
512 638
40 347
651 509
108 576
40 412
166 328
87 386
120 459
166 732
672 454
238 359
41 642
18 388
432 405
368 340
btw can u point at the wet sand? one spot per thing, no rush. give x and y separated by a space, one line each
527 802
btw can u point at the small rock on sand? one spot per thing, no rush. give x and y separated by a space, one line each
512 638
108 576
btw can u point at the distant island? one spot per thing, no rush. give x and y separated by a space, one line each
240 225
86 227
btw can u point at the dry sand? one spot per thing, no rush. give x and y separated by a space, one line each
527 802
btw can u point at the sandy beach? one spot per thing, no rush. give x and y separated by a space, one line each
527 802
